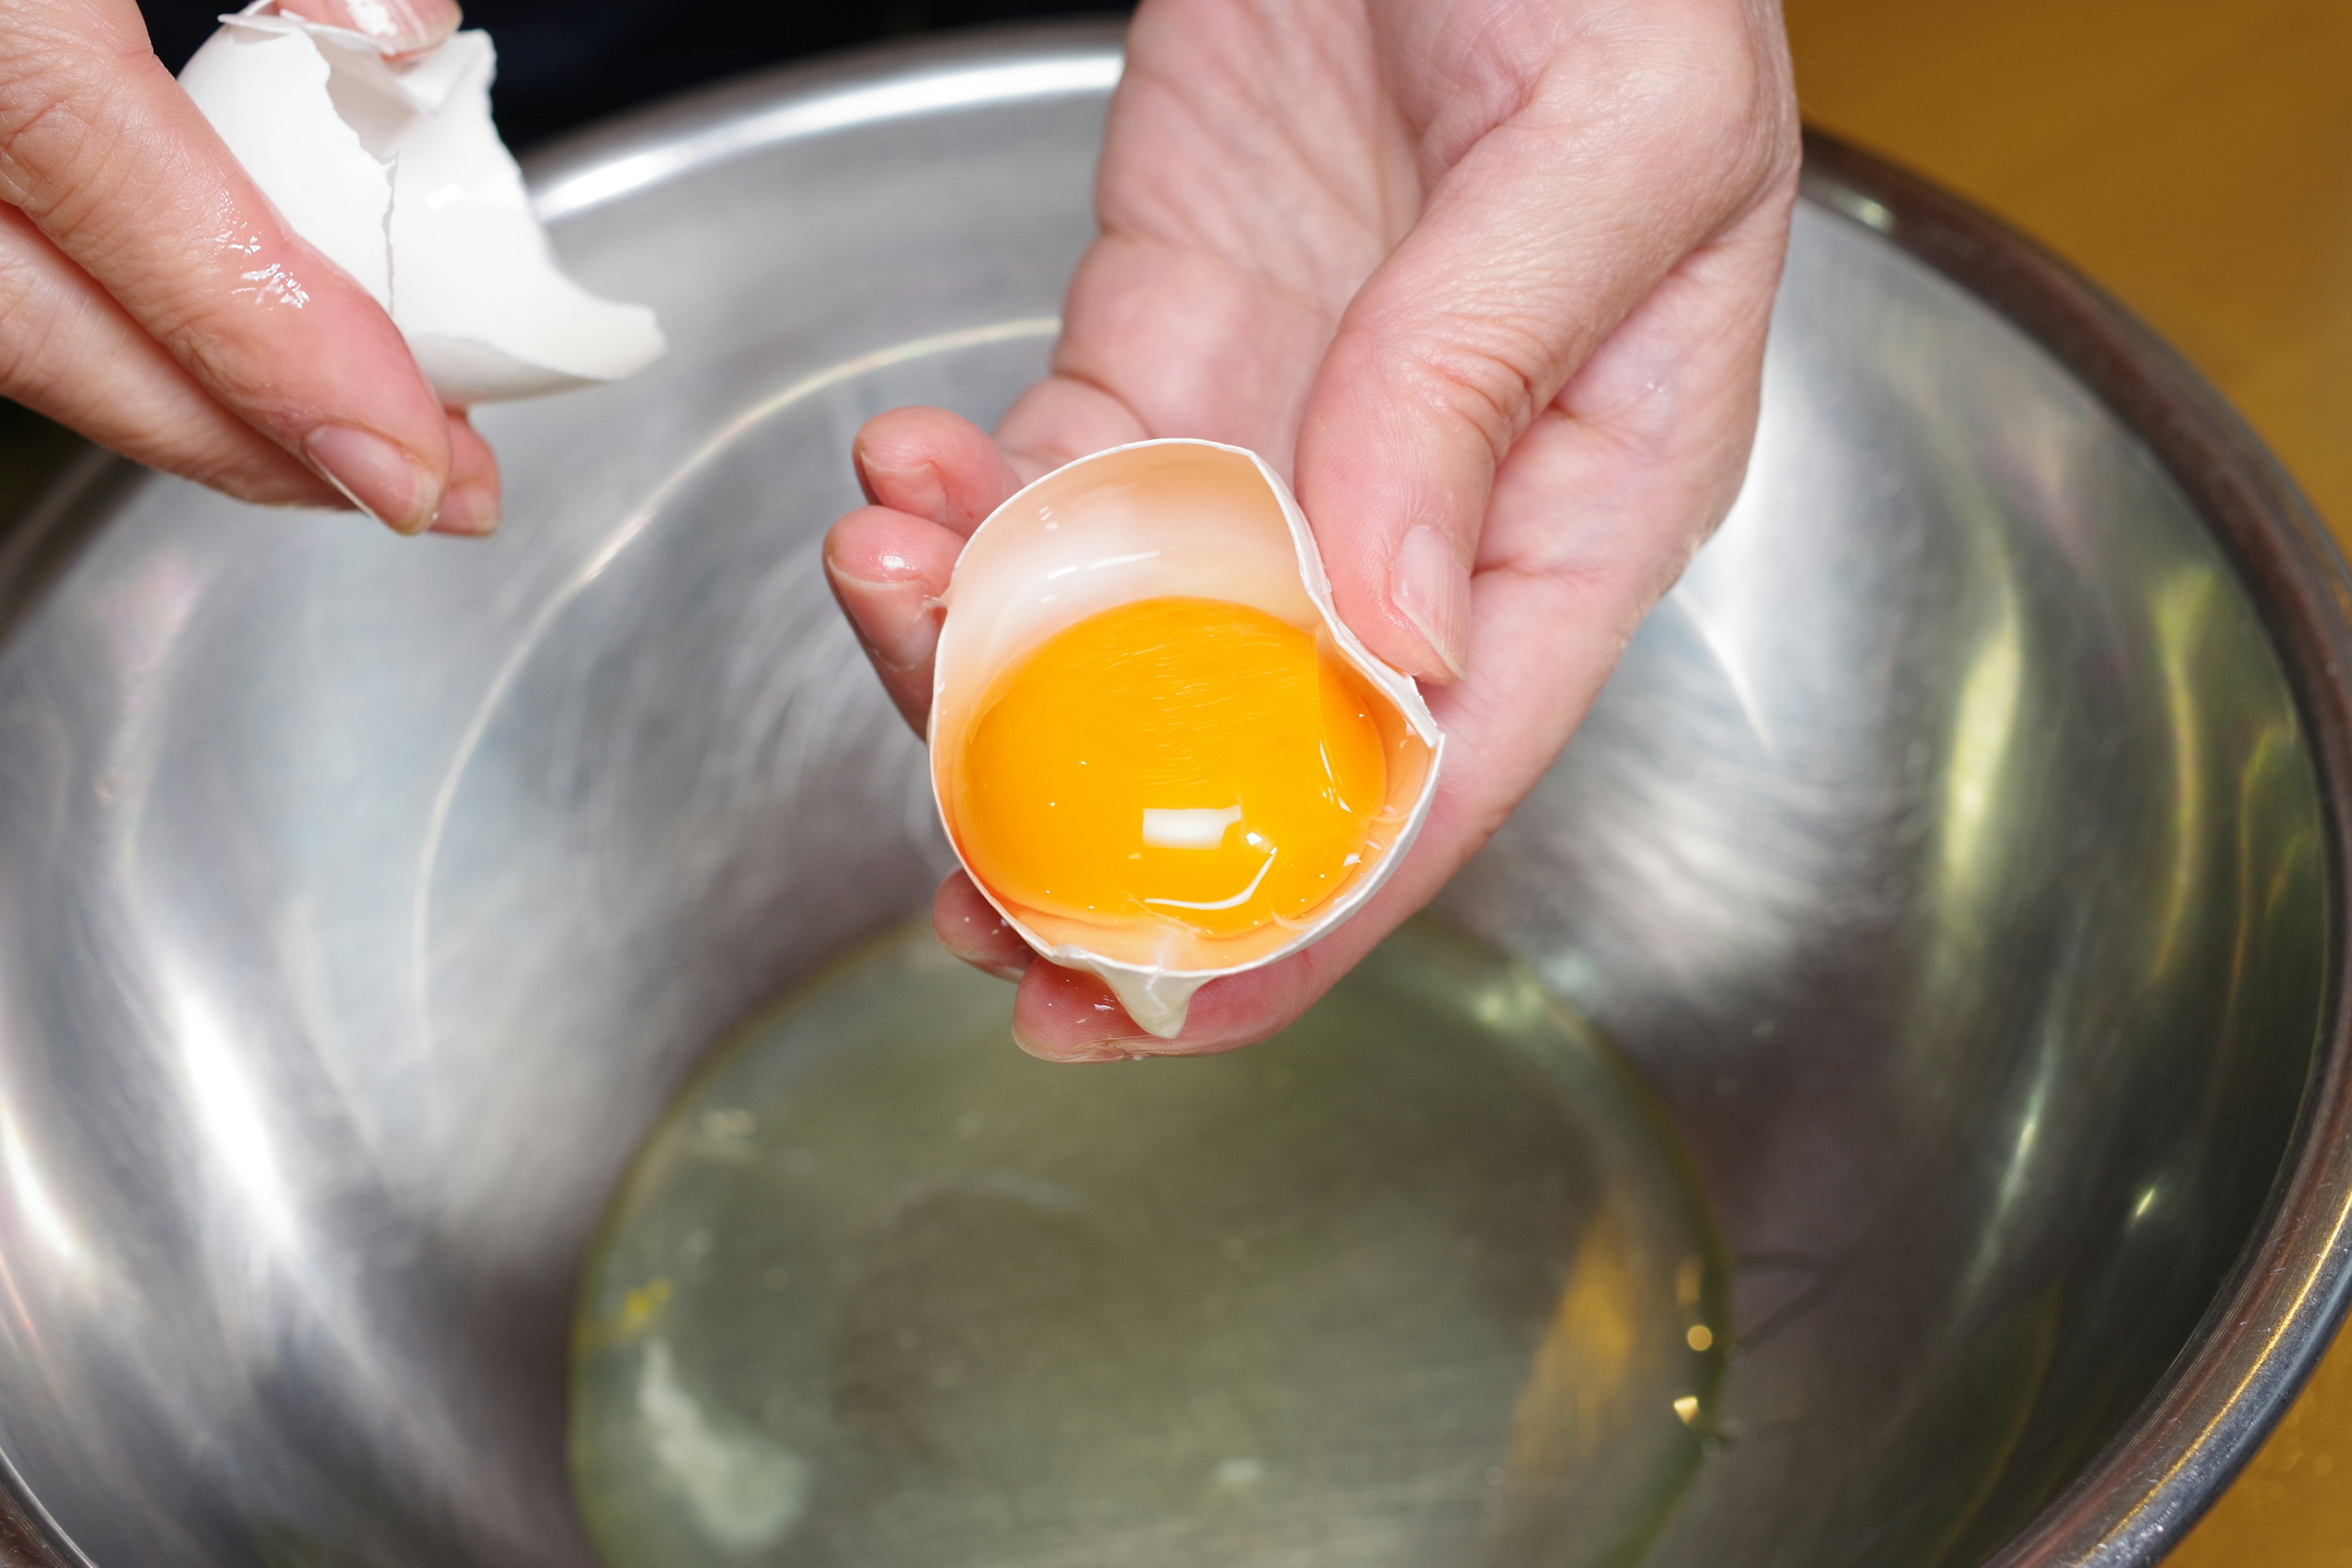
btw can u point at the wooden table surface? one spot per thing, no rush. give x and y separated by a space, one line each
2195 157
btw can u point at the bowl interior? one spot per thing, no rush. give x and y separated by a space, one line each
1946 856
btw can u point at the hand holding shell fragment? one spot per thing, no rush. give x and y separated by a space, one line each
396 172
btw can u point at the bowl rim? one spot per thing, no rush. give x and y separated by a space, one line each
2275 1315
2277 1312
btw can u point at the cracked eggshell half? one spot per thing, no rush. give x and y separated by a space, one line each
1158 519
396 172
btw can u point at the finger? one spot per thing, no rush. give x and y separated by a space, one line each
397 26
968 926
934 464
1066 1015
933 477
1530 252
470 506
889 573
101 150
1063 418
68 351
1592 516
1644 451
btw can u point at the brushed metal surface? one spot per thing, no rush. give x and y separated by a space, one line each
1959 853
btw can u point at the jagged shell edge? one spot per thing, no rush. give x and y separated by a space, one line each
1156 997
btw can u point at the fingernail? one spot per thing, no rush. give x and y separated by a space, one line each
398 26
918 490
1020 1038
904 642
982 954
471 510
1431 588
374 476
1091 1051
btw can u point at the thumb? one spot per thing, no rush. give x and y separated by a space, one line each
1530 250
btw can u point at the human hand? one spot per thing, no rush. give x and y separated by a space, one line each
1490 278
151 298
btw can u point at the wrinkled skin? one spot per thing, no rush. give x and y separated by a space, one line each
152 299
1488 278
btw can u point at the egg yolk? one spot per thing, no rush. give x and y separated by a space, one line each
1182 757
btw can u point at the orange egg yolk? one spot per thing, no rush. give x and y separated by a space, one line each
1183 757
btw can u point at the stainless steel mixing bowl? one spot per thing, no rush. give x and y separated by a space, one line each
1959 853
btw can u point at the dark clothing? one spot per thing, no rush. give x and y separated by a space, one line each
563 62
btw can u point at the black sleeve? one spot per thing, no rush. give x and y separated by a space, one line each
563 62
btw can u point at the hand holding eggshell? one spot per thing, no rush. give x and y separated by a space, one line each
202 276
1158 750
394 170
151 297
1487 281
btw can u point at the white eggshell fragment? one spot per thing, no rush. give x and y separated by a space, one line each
396 172
1153 519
